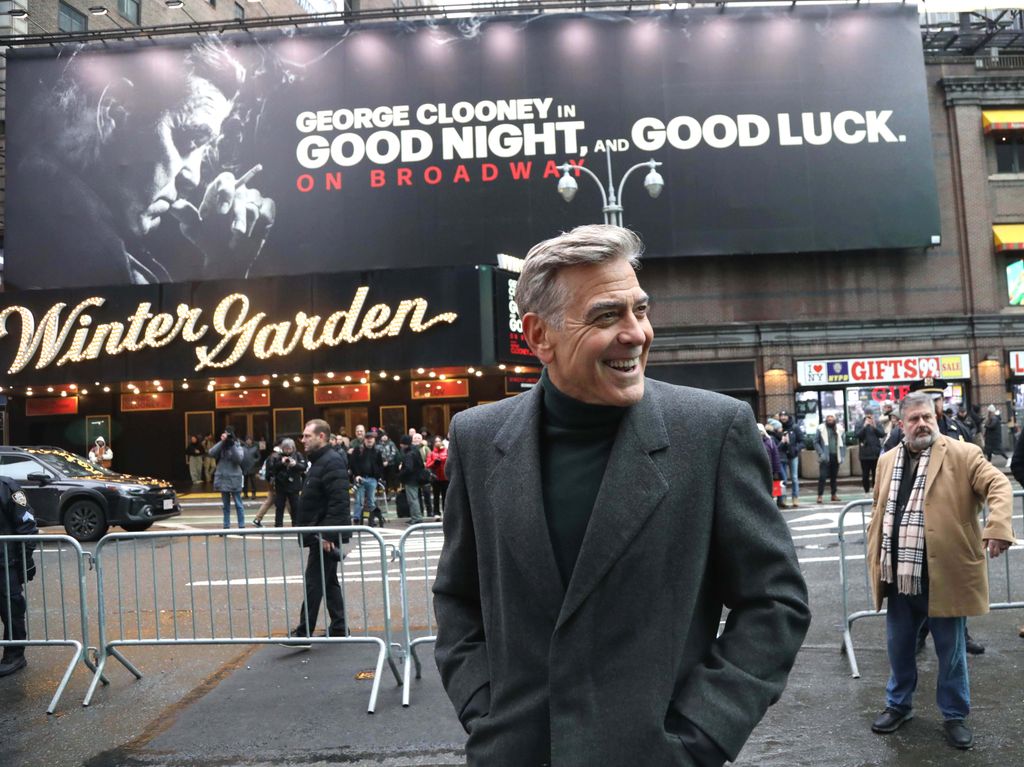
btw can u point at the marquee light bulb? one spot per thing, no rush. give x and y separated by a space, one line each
420 371
106 389
266 381
330 375
285 384
348 378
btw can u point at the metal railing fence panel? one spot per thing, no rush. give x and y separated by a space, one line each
56 611
1005 574
418 552
249 586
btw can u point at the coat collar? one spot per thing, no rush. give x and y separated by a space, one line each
935 458
631 489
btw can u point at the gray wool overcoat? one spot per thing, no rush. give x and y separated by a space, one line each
605 671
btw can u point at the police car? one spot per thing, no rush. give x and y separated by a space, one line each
65 489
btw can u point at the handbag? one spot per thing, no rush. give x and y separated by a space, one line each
777 488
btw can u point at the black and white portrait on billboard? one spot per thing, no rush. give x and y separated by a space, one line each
145 170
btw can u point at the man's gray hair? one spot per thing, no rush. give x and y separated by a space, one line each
287 442
917 399
539 289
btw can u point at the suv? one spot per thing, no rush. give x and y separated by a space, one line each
65 489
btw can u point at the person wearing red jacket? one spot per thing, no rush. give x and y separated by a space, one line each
436 460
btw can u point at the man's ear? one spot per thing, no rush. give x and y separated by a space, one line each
114 106
537 334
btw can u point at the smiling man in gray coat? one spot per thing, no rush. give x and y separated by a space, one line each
596 526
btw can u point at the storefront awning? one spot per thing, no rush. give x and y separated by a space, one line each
1002 119
1008 236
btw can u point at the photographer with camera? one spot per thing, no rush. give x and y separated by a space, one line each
228 476
285 473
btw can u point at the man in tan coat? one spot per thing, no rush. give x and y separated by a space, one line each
926 555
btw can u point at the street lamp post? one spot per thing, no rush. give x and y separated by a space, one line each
612 209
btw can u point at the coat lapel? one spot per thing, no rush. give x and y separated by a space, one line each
632 488
934 462
514 489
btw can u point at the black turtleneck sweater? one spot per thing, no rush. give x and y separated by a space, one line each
576 440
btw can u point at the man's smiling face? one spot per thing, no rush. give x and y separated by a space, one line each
599 351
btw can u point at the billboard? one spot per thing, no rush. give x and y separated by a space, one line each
778 130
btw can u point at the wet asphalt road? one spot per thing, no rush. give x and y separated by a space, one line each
245 705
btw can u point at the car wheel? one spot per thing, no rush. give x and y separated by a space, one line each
136 527
85 521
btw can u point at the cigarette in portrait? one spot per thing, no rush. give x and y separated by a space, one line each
246 177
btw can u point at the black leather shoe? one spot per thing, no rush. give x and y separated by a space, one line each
11 665
890 720
974 647
298 639
958 733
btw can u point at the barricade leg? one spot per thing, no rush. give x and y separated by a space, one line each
79 655
851 656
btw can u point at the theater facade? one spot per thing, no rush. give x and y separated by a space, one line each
828 215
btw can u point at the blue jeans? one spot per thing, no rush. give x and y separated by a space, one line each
225 498
794 474
902 621
365 492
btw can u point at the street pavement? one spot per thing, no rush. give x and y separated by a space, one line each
271 705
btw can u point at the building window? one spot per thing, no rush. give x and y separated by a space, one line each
129 9
70 19
1009 151
239 11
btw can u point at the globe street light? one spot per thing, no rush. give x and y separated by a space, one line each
612 208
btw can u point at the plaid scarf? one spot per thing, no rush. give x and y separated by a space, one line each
911 532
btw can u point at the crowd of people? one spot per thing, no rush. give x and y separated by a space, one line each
411 473
876 433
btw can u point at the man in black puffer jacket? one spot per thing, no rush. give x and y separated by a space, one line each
324 502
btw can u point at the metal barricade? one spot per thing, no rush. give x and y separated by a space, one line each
863 508
56 610
418 550
1009 567
245 586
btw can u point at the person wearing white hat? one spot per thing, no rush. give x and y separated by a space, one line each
100 452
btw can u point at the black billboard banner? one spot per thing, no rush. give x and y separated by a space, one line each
509 341
386 146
